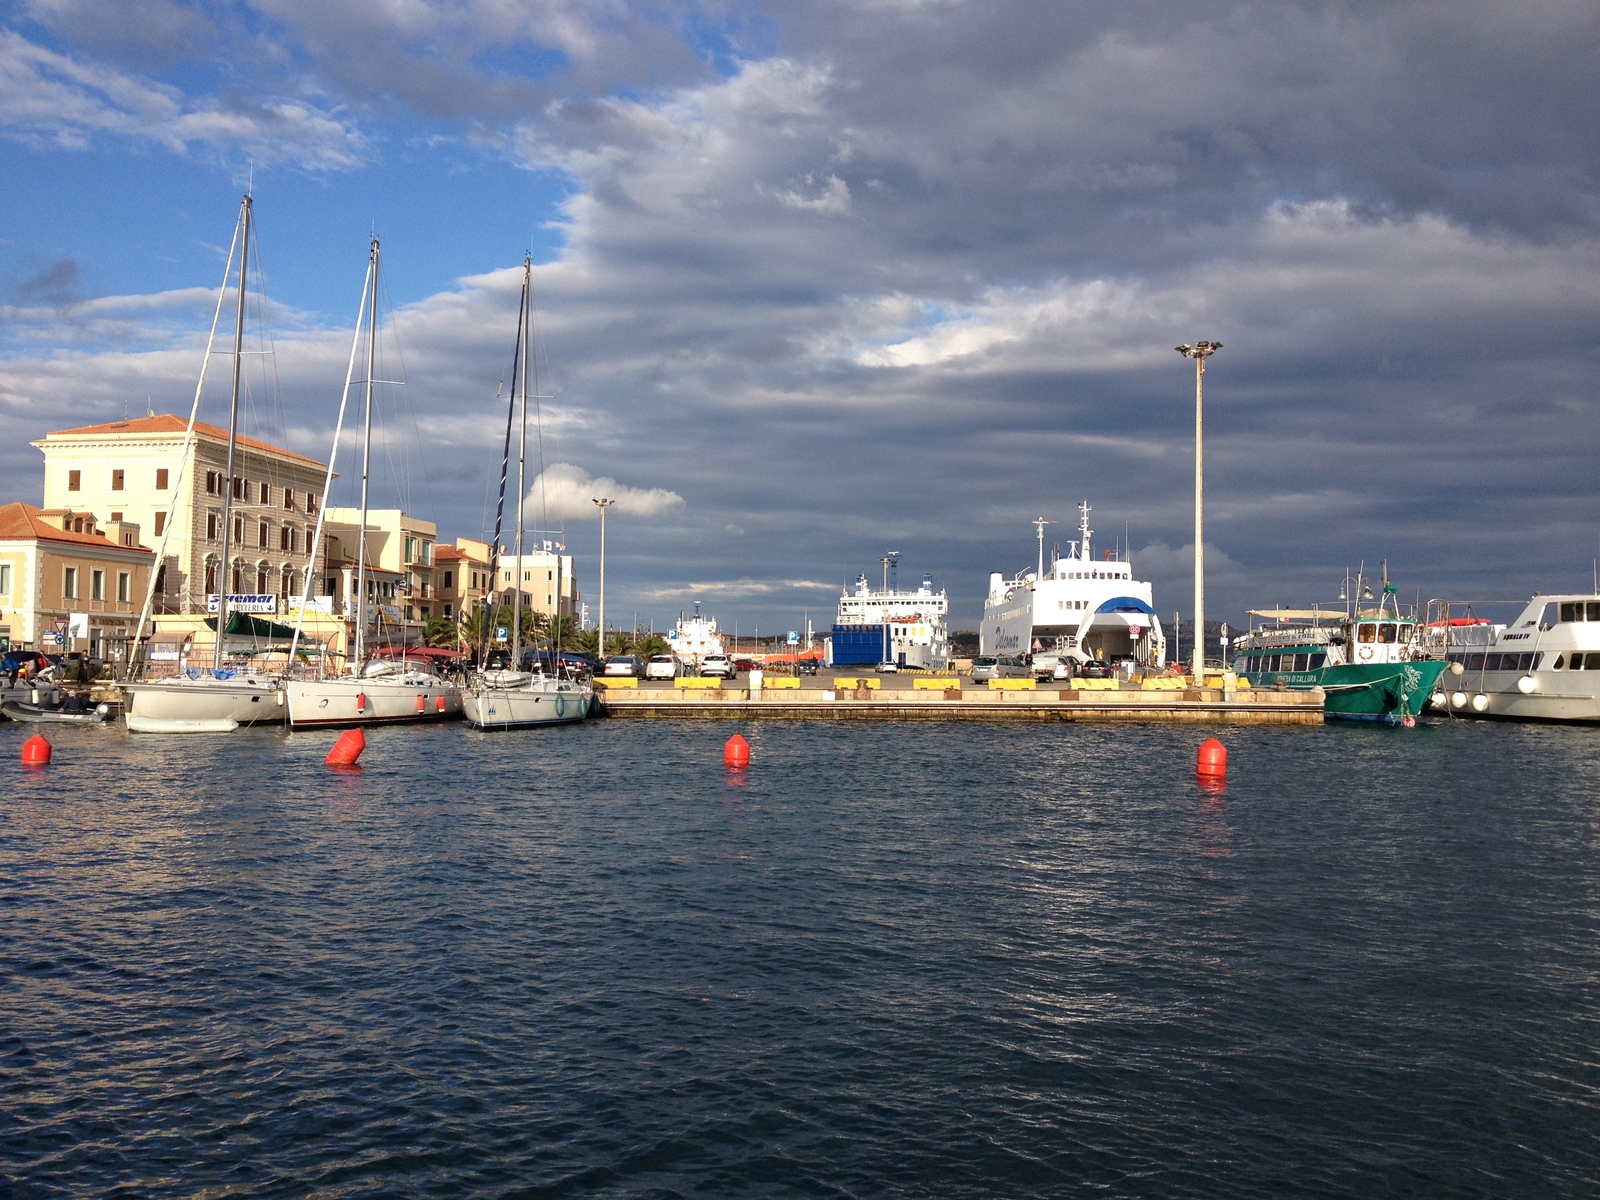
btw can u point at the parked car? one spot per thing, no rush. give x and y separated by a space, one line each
744 664
887 668
984 667
663 666
717 664
629 665
806 666
1095 668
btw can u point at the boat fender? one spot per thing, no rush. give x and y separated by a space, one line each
561 705
1527 685
422 704
361 703
440 706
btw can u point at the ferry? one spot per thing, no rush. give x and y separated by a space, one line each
1079 609
695 637
1371 664
1544 666
906 628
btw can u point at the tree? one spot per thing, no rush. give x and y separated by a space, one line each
652 644
441 633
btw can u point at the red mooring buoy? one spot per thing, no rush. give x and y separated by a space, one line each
1212 762
736 752
347 749
36 751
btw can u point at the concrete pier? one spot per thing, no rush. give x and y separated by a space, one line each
917 699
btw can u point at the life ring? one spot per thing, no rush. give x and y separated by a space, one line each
1366 652
561 705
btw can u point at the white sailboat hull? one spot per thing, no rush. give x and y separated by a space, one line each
388 700
537 702
245 699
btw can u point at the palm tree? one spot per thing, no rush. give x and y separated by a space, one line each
441 633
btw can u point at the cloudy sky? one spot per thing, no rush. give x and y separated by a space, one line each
821 280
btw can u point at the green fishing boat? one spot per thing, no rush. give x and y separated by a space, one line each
1371 664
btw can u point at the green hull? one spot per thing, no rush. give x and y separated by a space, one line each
1385 692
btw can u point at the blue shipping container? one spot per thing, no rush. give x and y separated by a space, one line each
858 645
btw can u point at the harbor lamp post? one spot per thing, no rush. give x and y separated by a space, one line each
600 641
1200 351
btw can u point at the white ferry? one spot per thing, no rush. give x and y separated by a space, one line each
1544 666
906 628
1078 609
695 637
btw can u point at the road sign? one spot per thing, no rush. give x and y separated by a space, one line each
60 639
502 633
794 637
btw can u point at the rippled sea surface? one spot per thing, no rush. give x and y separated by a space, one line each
925 960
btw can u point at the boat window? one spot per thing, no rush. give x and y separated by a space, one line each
1300 662
1557 665
1386 633
1594 610
1318 661
1575 663
1591 662
1571 611
1367 633
1474 662
1537 659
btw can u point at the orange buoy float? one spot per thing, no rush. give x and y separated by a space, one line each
422 704
1212 762
347 749
361 704
736 752
441 704
36 751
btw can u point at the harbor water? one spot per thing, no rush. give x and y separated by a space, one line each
884 960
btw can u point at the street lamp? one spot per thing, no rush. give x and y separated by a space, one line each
1200 351
600 641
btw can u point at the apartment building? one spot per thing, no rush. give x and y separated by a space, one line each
402 573
547 578
62 576
137 471
463 577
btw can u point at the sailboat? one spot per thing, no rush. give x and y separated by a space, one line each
223 698
501 696
386 689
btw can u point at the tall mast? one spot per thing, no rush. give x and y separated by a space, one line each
1084 532
524 318
366 463
1039 523
233 436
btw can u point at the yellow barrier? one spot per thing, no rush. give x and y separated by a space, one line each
1164 683
1098 685
696 681
623 681
933 683
850 685
1012 685
771 682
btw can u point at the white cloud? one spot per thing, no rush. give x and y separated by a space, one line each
46 96
564 492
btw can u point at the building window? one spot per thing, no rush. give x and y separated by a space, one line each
211 577
262 535
74 480
69 583
161 579
213 527
447 611
311 503
238 578
261 579
266 492
212 481
117 478
448 578
5 579
238 531
238 487
161 523
116 516
124 583
410 616
427 553
411 549
283 538
161 479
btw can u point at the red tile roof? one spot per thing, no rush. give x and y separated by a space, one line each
22 521
167 423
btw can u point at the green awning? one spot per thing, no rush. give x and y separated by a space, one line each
244 625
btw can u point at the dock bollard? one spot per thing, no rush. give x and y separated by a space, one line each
347 749
736 752
36 751
1212 762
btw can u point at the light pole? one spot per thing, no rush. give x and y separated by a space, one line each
1200 351
600 641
